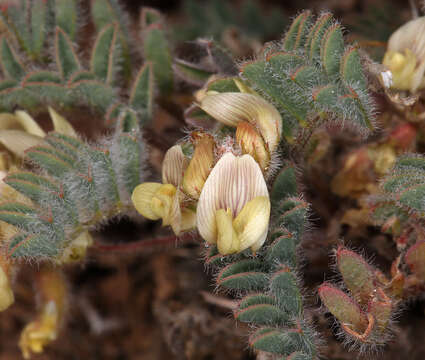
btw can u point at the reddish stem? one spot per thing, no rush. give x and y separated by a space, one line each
166 240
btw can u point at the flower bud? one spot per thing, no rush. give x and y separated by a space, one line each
405 56
233 108
200 165
252 143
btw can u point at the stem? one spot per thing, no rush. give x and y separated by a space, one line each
140 244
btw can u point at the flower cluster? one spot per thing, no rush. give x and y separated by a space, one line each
220 189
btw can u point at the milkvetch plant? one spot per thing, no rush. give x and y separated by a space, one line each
233 180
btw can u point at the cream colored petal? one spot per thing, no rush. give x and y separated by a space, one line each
163 203
231 108
409 36
227 239
175 214
142 199
173 166
231 184
252 223
60 124
17 141
29 124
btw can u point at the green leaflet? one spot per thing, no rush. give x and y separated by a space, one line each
105 56
66 57
157 50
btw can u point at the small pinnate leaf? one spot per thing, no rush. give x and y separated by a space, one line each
66 58
357 274
105 54
285 184
243 275
332 49
284 287
39 25
11 66
343 307
156 50
191 73
262 314
297 32
142 92
66 14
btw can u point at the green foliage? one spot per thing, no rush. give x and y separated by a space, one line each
312 77
78 186
268 283
365 310
156 49
71 85
399 206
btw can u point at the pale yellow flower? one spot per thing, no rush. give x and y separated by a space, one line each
164 201
234 207
233 109
405 56
52 301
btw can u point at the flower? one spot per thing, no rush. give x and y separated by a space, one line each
260 139
165 201
44 329
234 206
405 56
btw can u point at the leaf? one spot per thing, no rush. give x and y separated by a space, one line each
39 30
295 36
343 307
51 161
332 49
243 275
156 49
11 66
66 15
284 287
142 92
285 184
357 274
191 73
105 54
66 57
